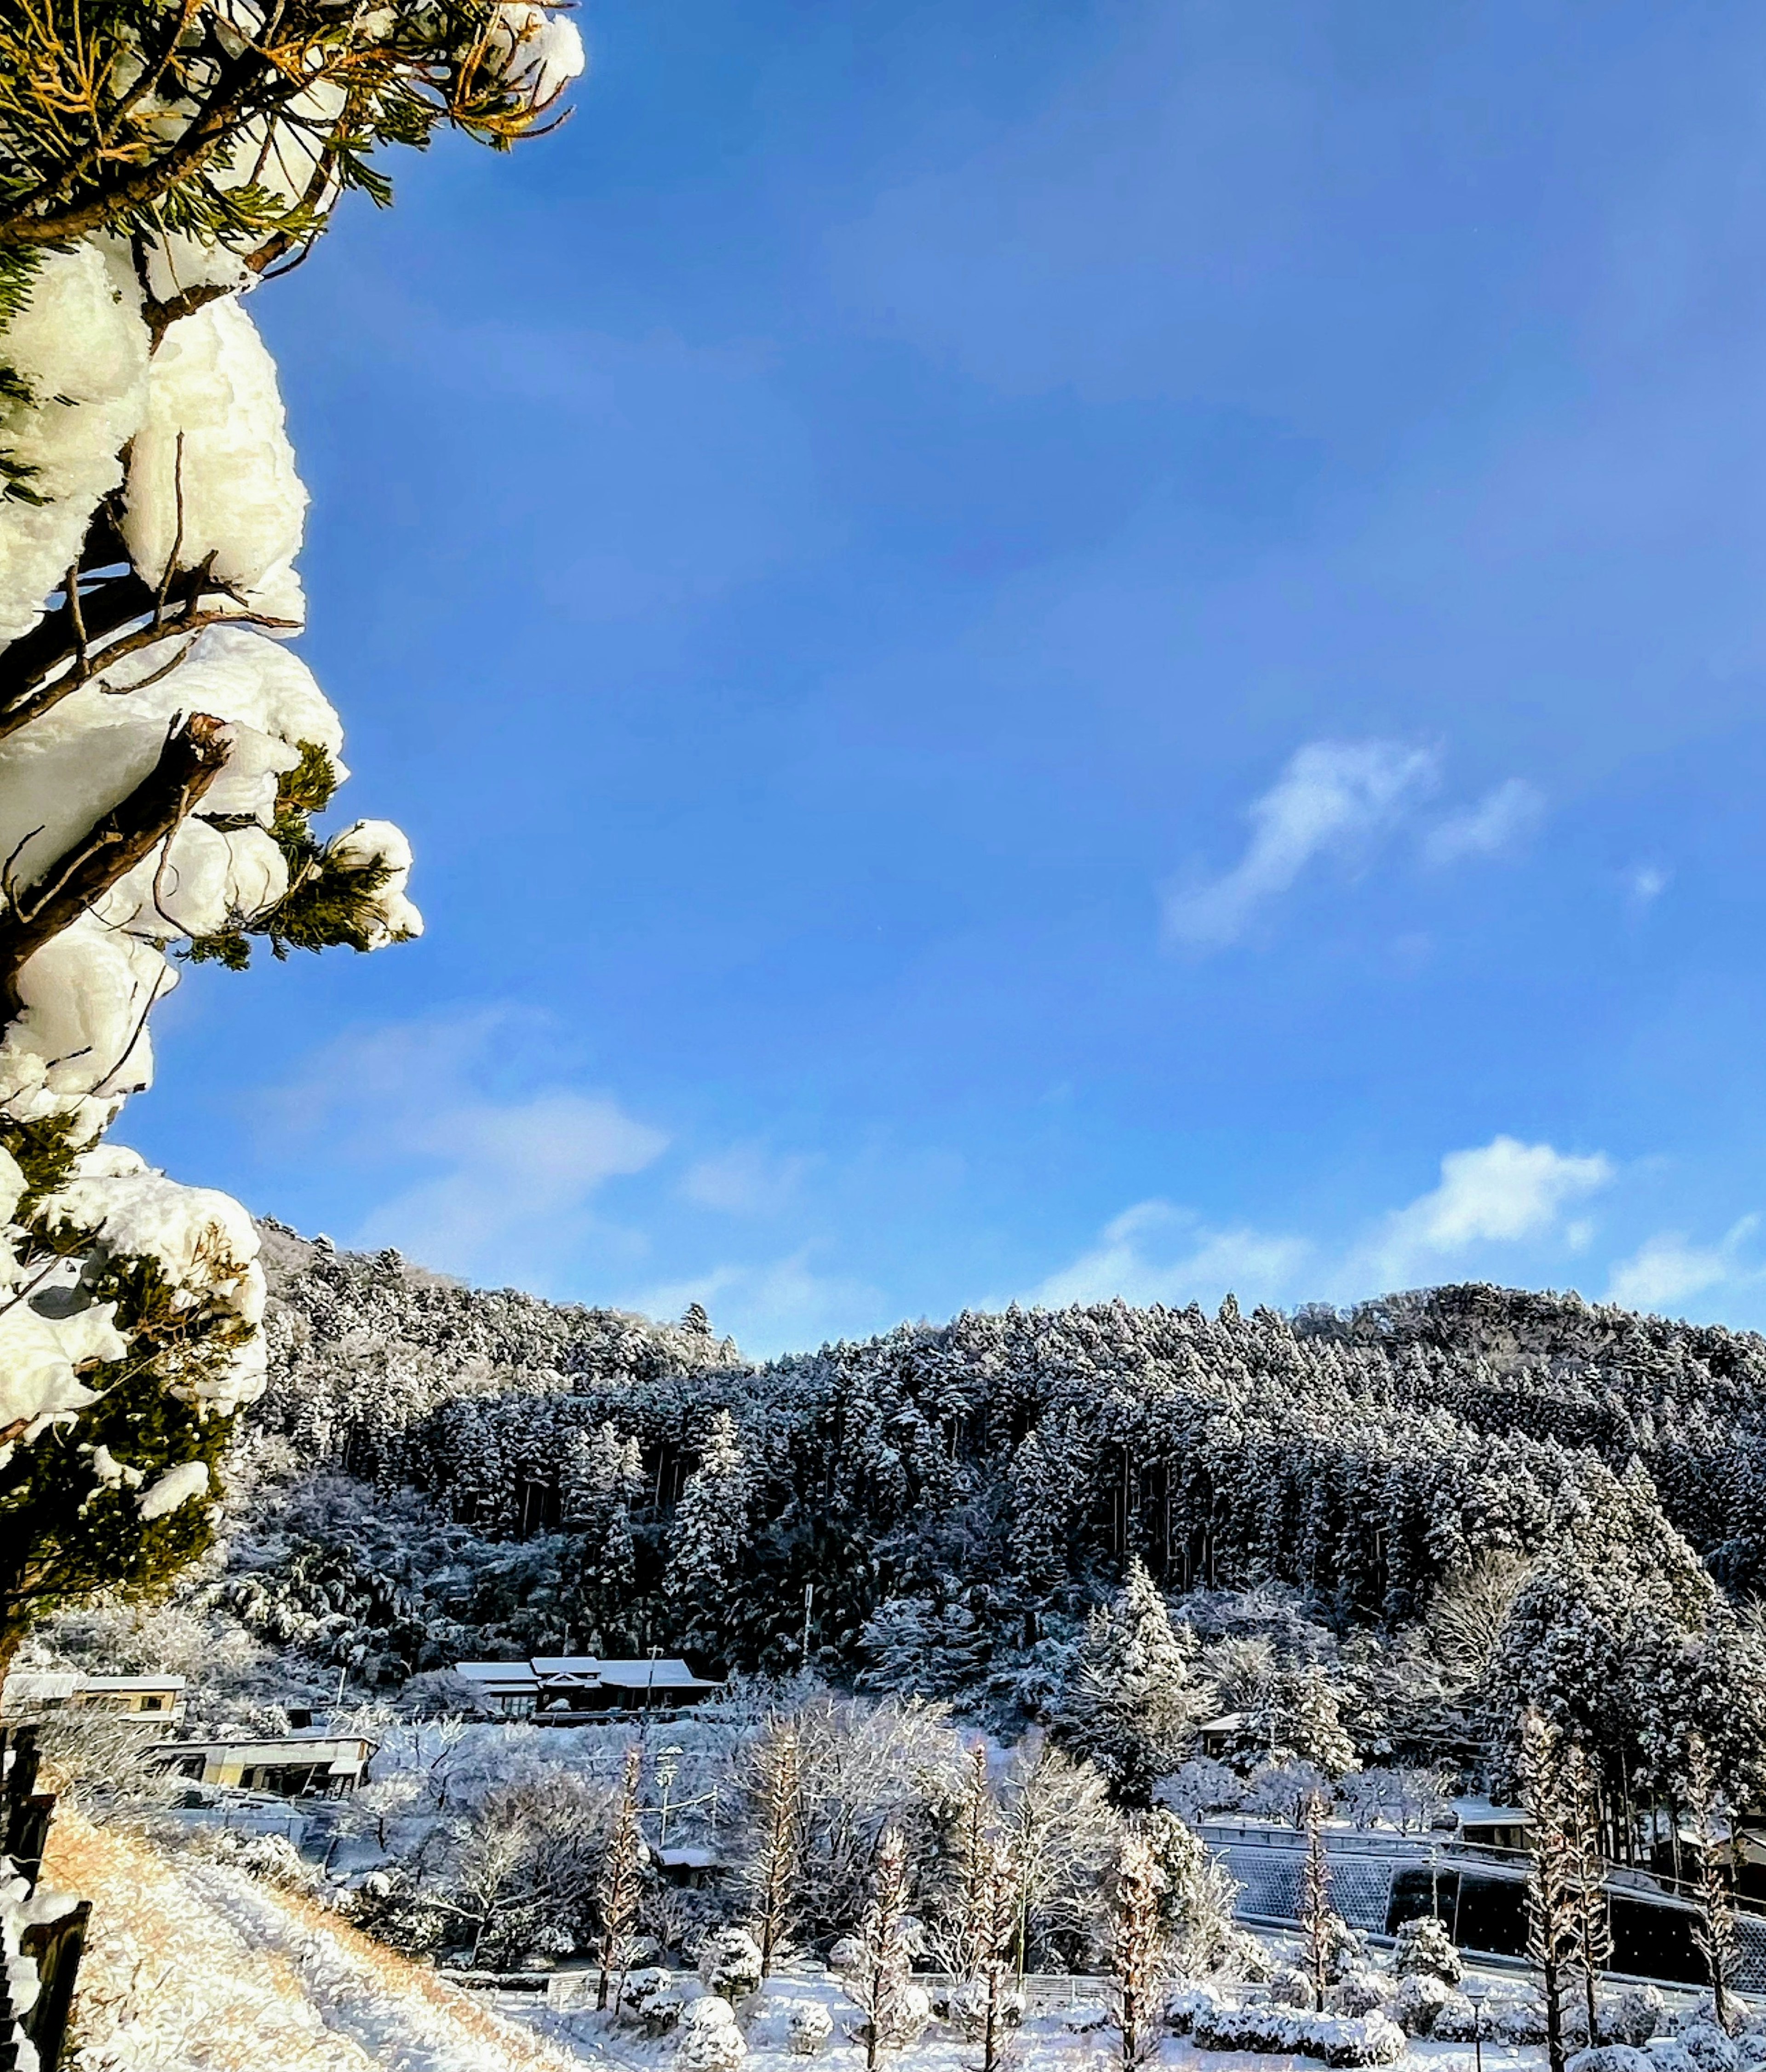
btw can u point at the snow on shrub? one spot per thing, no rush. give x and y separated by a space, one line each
1666 2053
966 2006
1418 2001
1632 2017
808 2027
1612 2057
1422 1947
1456 2022
729 1962
1292 1988
1360 1993
653 1999
1187 2004
1519 2020
787 2022
1708 2046
707 2039
1340 2039
847 1954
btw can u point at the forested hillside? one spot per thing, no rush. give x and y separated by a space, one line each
954 1497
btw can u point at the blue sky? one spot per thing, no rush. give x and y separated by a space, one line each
1041 650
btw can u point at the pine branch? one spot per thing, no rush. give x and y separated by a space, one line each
193 756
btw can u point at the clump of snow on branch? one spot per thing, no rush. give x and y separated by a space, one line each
80 348
211 471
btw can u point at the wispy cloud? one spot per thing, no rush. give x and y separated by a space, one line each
1334 798
1154 1252
485 1179
746 1180
1504 1193
1646 882
1667 1268
1499 821
780 1305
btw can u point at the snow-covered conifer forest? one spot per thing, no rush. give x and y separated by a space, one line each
1023 1620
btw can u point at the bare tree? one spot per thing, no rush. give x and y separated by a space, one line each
983 1925
1317 1916
881 1983
1591 1942
775 1865
1140 1954
622 1882
1551 1896
1056 1819
1715 1931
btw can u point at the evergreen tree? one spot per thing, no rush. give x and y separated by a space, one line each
1139 1950
1590 1949
1551 1890
707 1538
1715 1929
1131 1705
621 1888
774 1864
1199 1898
600 1473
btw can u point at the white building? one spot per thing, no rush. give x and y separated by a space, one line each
564 1689
301 1766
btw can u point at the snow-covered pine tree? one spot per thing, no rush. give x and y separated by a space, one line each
163 753
601 1471
1551 1894
706 1538
1201 1896
1131 1704
1139 1950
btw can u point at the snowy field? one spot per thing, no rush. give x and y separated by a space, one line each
1066 2025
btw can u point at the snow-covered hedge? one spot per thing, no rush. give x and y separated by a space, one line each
1371 2039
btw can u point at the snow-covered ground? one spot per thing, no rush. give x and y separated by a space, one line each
194 1966
1066 2025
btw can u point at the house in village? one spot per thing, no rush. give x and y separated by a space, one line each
155 1701
315 1764
566 1690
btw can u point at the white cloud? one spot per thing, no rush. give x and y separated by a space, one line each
1646 883
1667 1268
1154 1252
743 1181
1505 1192
1502 817
1333 797
780 1306
495 1186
